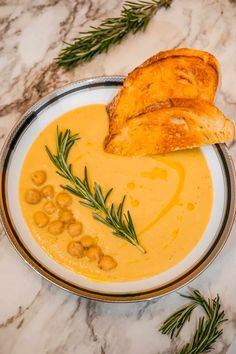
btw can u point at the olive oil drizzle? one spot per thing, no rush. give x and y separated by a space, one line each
175 199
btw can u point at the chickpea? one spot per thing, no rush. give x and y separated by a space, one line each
47 192
75 229
55 227
65 215
63 200
41 219
75 249
49 208
72 221
87 241
39 177
33 196
94 253
107 263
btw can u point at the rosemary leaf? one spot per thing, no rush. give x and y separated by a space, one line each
134 17
207 331
121 223
173 325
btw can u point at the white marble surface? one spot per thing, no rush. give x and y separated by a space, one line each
36 317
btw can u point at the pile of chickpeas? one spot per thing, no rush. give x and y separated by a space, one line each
86 246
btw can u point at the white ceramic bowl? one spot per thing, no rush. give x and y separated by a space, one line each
101 90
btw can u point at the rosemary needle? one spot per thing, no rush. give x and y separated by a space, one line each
134 17
207 331
121 223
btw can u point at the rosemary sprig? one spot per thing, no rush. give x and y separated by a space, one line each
121 223
134 17
207 331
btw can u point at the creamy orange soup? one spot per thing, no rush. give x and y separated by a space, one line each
169 197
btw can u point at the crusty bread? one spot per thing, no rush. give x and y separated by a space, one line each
182 73
207 57
172 125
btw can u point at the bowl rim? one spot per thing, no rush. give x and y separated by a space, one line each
191 274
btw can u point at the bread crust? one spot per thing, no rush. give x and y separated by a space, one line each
185 52
182 73
176 124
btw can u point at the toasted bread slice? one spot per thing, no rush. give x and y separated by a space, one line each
208 58
182 73
174 125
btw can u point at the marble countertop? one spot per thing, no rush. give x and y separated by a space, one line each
36 316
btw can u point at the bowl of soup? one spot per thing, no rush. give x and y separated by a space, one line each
182 203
